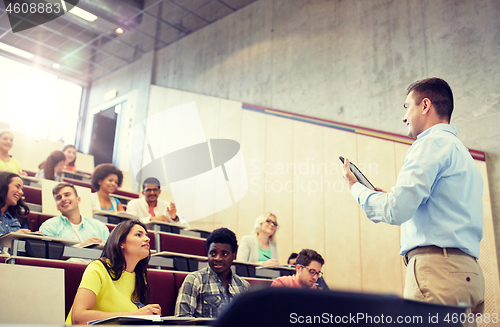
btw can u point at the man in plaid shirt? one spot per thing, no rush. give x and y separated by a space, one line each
205 293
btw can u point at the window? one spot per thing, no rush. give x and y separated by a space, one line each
38 103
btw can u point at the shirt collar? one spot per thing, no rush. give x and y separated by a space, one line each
216 276
438 128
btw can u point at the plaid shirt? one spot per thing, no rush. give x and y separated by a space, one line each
203 294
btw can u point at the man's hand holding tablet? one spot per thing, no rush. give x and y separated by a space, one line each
352 175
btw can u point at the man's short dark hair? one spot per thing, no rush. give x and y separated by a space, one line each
306 256
104 170
292 256
151 180
436 90
222 235
60 186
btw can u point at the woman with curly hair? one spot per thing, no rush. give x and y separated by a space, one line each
116 284
106 179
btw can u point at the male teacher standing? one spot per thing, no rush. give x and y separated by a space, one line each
437 201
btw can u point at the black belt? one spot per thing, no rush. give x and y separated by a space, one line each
432 249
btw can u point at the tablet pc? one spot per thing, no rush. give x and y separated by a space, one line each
359 175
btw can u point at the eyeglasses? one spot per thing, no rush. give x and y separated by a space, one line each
151 190
269 221
313 272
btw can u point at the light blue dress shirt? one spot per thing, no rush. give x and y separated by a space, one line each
438 195
61 227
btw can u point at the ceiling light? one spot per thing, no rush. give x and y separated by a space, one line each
119 30
83 14
16 51
56 65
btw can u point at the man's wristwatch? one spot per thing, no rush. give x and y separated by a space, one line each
176 218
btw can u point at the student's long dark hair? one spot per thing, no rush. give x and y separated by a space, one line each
20 210
113 259
49 164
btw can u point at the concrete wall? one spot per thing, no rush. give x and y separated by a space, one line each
348 61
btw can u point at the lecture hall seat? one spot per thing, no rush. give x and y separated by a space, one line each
182 244
163 290
32 195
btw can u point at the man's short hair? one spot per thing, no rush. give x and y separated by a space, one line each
151 180
306 256
222 235
436 90
60 186
292 256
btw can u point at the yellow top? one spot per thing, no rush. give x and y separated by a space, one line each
12 166
111 295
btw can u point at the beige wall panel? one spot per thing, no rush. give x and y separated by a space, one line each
160 99
487 256
400 151
308 201
342 244
85 162
230 127
209 111
31 295
253 146
380 259
31 152
278 187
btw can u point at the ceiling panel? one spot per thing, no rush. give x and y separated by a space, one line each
89 50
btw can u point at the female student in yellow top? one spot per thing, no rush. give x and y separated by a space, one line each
6 162
116 284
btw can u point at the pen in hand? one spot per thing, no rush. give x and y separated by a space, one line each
139 304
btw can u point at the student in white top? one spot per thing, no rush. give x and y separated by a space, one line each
106 179
152 208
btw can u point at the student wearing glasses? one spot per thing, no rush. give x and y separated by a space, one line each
152 208
307 271
260 247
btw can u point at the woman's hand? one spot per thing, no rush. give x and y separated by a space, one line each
271 262
23 230
150 309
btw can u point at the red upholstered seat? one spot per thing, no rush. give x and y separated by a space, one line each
179 277
42 218
163 292
182 244
33 222
32 195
